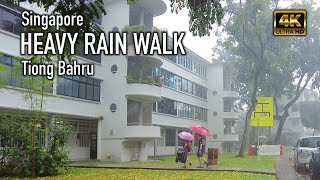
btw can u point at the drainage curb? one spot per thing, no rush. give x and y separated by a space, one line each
273 173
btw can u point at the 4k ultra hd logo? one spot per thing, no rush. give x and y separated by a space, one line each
287 22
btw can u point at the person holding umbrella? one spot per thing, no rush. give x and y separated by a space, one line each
201 150
201 133
186 145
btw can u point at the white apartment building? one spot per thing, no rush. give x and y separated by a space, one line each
120 113
293 123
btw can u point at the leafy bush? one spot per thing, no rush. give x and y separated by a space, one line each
22 153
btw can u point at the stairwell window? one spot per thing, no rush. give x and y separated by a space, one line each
170 137
180 109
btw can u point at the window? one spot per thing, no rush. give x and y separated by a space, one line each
190 89
154 107
169 79
309 142
227 105
10 21
167 106
179 83
174 81
184 85
189 64
84 140
170 137
172 58
200 91
80 87
12 76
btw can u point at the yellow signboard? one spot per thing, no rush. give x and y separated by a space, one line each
263 114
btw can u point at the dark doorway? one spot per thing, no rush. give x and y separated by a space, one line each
93 146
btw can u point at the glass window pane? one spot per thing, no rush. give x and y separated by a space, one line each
190 89
7 21
96 93
75 89
61 86
83 79
90 80
68 87
96 82
82 90
184 85
154 107
180 106
179 83
89 92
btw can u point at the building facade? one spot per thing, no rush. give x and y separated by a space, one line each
123 111
293 123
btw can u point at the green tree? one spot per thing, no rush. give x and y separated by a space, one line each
202 14
248 44
23 151
309 114
267 65
303 63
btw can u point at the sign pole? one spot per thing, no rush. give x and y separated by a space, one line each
258 131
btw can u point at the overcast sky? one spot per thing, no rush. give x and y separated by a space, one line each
179 22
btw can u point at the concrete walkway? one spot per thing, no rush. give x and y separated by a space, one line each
285 169
212 168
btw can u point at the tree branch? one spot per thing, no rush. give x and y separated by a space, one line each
298 92
248 47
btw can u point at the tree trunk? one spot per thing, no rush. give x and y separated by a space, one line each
285 115
252 135
280 127
245 136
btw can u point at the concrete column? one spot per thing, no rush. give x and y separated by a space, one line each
155 147
99 141
140 111
176 139
143 153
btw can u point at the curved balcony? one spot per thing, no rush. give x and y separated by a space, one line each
230 94
155 7
151 61
142 132
144 92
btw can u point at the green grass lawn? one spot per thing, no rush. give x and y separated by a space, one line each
224 161
92 173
